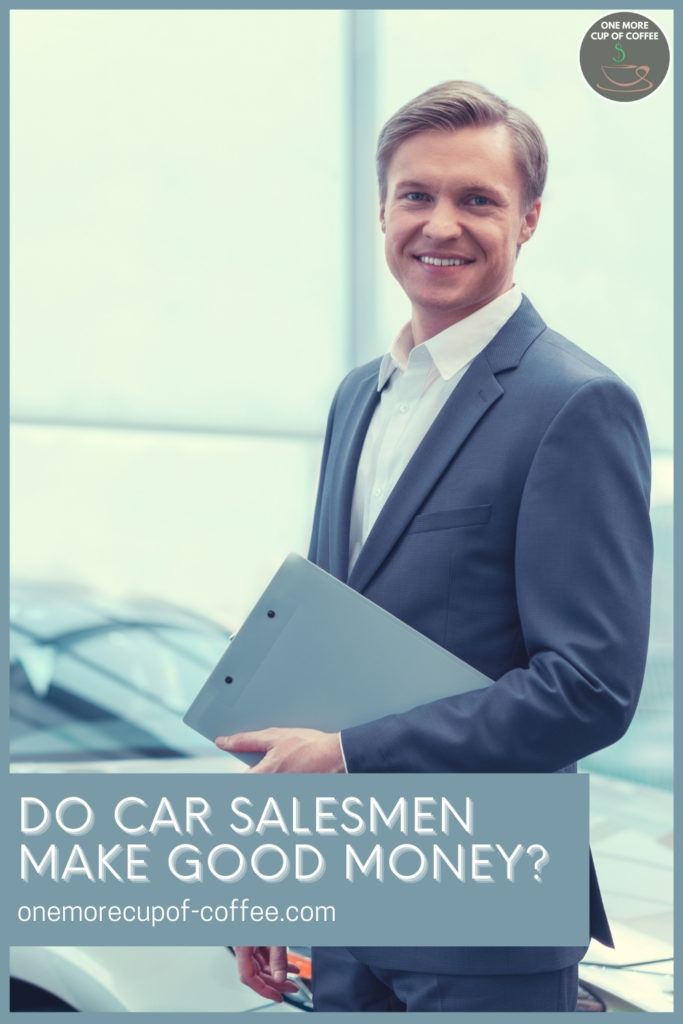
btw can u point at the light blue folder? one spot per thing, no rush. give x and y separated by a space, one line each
313 652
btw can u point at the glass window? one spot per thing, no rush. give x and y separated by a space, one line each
645 753
202 521
177 216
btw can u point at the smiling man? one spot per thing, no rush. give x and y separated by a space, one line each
487 482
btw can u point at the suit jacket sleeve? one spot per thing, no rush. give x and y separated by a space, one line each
582 564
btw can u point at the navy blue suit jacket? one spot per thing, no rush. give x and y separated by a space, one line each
518 537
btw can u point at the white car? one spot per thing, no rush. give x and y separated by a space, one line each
132 979
99 685
86 672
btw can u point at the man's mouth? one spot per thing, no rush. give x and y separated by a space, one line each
444 261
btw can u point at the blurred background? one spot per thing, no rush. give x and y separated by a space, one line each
196 262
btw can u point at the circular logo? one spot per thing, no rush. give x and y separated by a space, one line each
624 56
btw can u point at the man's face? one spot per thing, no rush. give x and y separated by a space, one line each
456 196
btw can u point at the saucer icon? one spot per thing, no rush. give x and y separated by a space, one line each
625 78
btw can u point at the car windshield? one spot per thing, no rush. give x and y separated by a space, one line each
108 690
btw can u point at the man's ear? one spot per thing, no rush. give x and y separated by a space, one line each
382 221
530 222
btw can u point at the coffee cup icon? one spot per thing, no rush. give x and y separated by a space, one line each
626 77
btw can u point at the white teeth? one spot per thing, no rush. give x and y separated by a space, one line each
434 262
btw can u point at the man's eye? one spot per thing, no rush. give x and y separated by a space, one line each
479 201
416 197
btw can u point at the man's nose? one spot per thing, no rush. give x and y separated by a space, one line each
443 222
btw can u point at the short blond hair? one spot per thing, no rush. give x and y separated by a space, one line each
453 105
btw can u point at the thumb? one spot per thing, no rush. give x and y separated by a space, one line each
244 742
278 962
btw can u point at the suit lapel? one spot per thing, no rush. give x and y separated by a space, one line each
471 399
474 395
354 430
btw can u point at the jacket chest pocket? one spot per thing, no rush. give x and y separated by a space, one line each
473 515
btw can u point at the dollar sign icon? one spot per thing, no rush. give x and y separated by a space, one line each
620 49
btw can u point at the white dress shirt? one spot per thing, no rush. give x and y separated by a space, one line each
415 382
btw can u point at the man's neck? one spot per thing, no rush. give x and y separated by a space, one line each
426 324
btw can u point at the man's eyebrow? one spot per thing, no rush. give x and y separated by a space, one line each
412 184
489 190
471 186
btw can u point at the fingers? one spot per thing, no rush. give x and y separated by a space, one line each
244 742
278 962
262 957
246 961
266 987
249 961
266 766
264 970
270 989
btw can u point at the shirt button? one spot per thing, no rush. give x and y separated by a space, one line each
377 492
403 407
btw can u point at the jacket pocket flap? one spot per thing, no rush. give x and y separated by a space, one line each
470 516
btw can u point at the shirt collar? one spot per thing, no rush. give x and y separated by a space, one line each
455 347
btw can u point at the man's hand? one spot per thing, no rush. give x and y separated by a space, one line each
288 750
264 969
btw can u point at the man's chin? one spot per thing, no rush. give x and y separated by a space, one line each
459 306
